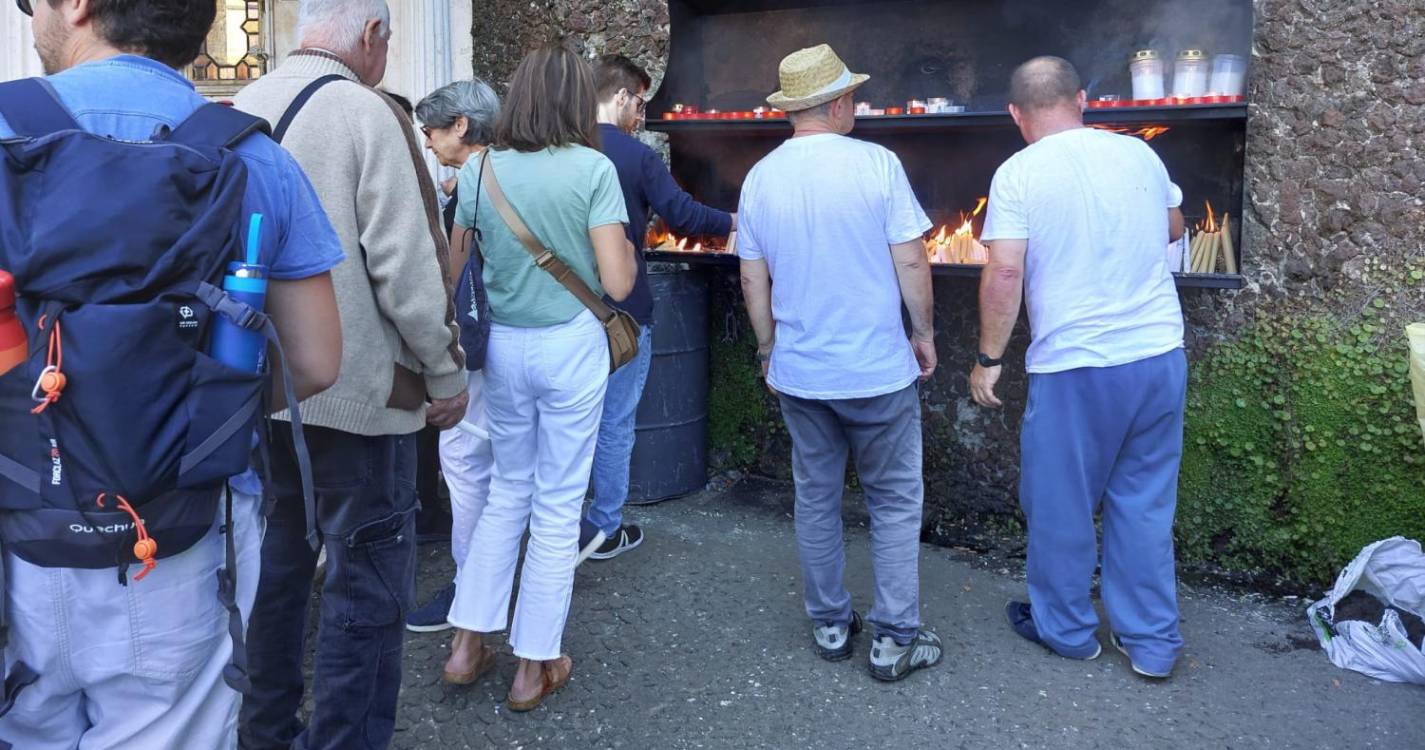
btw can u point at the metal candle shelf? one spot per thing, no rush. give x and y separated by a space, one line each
728 260
950 121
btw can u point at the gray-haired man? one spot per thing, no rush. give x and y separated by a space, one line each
398 321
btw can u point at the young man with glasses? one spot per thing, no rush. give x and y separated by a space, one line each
647 187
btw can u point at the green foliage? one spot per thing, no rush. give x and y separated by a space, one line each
737 406
1302 447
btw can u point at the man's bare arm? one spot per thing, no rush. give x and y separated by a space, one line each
918 294
757 294
304 312
1176 224
1001 292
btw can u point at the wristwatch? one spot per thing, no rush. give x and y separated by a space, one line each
987 361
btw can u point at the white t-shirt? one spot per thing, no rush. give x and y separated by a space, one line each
823 210
1094 208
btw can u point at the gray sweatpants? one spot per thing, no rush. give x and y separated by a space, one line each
883 434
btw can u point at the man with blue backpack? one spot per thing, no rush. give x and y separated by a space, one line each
162 248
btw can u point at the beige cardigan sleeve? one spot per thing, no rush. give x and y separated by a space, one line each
404 248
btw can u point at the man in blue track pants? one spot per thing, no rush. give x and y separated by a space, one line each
1079 222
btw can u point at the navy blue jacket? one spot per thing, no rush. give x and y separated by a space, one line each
647 186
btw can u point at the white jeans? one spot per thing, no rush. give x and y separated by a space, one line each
137 667
544 397
467 461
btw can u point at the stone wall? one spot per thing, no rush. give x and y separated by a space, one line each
504 30
1301 440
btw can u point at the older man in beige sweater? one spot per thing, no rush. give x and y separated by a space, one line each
402 350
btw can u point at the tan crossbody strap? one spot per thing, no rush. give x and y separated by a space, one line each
543 258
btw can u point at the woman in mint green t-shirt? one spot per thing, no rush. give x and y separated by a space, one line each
546 368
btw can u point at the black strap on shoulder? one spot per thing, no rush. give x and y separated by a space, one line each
300 102
218 125
32 108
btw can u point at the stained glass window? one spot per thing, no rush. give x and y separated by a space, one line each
235 51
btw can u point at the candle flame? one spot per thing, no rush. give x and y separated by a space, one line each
1147 132
955 242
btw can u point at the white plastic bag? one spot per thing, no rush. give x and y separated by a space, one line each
1392 570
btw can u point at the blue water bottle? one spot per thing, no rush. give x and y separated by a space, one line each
246 282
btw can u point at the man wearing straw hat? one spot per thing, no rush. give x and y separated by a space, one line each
834 222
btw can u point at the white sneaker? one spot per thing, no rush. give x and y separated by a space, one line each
1118 644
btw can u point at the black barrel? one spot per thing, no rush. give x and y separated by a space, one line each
670 456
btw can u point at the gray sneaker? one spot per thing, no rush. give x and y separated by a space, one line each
891 662
833 642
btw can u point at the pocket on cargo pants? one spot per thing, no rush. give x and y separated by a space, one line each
380 565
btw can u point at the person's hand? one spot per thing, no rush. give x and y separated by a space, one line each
982 385
924 348
764 356
445 413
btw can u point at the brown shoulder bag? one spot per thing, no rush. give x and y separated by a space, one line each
621 328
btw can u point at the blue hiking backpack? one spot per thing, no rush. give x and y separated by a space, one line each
118 250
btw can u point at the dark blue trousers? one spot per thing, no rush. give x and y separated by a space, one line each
1110 440
366 504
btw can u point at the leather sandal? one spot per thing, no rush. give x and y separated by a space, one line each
485 664
550 685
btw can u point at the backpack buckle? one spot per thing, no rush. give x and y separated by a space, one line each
48 377
248 318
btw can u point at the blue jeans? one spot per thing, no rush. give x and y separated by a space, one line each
1108 439
616 436
366 504
882 434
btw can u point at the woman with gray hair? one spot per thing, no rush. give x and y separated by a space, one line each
458 121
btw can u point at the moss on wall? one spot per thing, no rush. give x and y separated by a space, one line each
1301 442
1301 447
737 406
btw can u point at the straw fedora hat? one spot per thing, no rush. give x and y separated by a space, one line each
811 77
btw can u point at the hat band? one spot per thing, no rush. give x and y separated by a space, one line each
841 82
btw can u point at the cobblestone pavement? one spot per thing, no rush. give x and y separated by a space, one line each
697 640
